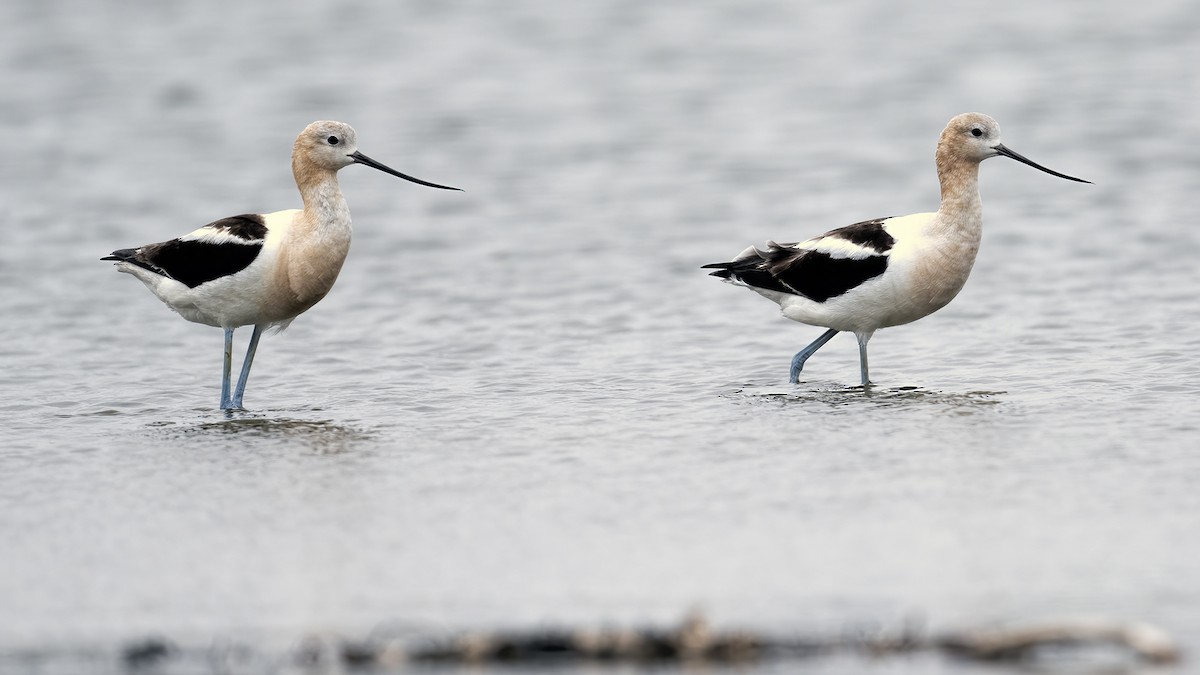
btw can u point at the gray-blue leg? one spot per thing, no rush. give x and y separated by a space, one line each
225 403
802 355
863 338
241 384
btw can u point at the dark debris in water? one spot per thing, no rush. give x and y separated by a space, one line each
694 642
147 652
1078 645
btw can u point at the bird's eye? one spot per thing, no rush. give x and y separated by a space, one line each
976 132
333 140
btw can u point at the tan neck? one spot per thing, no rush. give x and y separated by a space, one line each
959 179
319 236
960 188
318 187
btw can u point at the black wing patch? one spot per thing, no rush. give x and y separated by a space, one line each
250 227
868 234
814 274
195 261
819 276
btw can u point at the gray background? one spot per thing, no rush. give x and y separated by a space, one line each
525 404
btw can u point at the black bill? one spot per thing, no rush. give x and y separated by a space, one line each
360 158
1001 150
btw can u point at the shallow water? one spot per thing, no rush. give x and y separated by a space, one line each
525 403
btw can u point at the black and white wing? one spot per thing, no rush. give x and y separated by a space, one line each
216 250
820 268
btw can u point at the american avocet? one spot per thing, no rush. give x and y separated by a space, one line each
261 269
888 271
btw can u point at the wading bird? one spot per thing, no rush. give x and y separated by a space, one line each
888 271
262 270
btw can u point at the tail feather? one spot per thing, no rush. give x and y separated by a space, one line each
133 257
756 267
724 270
125 254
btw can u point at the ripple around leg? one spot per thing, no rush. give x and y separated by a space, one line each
240 427
836 395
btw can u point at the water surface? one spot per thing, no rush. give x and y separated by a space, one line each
525 404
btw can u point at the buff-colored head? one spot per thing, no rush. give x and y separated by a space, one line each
327 145
330 146
970 138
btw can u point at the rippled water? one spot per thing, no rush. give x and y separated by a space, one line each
525 403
